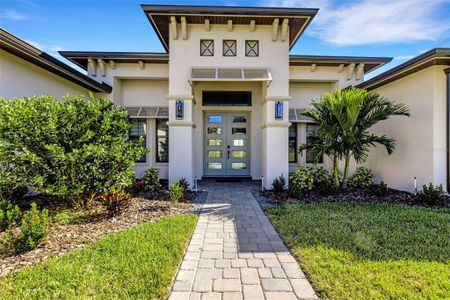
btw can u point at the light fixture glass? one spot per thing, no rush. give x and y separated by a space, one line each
279 110
179 109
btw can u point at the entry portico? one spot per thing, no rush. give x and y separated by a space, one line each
228 90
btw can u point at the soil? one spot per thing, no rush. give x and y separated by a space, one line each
87 225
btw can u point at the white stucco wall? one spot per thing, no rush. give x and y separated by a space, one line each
420 138
19 78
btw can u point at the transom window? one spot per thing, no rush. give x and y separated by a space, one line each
252 48
162 141
139 130
229 47
207 47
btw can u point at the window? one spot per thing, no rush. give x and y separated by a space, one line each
162 141
206 47
229 47
138 130
293 143
252 48
223 98
310 128
215 119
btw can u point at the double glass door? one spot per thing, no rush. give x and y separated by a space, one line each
227 144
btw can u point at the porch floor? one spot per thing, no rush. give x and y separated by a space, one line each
235 253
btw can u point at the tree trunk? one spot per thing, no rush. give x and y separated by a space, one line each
335 170
347 166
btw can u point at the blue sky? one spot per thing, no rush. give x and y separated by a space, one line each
396 28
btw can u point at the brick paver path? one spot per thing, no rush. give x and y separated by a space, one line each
235 253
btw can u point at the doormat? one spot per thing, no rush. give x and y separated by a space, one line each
228 180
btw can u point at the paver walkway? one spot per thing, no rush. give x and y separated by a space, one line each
235 253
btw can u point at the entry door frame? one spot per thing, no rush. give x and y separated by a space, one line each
227 131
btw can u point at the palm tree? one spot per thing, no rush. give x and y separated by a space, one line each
344 118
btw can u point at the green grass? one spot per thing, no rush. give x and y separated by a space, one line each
138 263
369 251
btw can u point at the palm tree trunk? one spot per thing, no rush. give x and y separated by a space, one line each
335 170
346 169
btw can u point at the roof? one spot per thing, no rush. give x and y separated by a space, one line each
159 16
20 48
437 56
81 59
370 63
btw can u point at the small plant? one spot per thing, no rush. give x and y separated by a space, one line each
301 181
9 215
432 195
324 182
176 192
115 202
184 183
279 184
380 189
33 230
63 217
363 178
151 180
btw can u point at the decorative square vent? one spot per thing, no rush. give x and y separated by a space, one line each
206 47
252 48
229 47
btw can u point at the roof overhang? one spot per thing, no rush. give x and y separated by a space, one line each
22 49
80 58
437 56
159 17
369 63
229 74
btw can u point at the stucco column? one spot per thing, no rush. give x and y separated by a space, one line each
275 136
181 138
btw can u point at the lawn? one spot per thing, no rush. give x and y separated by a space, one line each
138 263
369 251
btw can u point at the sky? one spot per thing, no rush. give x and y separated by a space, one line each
401 29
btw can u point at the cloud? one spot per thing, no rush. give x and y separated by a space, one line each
374 21
49 49
12 15
403 57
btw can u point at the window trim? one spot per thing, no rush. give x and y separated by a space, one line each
229 49
209 48
157 160
252 49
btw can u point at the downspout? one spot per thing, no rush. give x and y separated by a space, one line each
447 72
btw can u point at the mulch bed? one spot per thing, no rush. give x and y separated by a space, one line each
349 195
89 225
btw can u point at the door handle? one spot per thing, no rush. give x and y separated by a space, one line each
228 154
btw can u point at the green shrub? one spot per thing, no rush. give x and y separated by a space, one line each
432 195
279 184
9 215
363 177
33 230
184 183
176 192
380 189
12 186
63 217
301 181
151 180
115 202
324 182
73 149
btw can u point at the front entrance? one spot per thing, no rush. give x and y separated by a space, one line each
227 144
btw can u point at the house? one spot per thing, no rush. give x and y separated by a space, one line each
226 98
26 71
423 84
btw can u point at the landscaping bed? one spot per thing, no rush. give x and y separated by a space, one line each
369 250
138 263
71 228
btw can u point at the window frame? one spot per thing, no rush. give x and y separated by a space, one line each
251 49
143 159
209 48
295 139
157 137
229 48
306 140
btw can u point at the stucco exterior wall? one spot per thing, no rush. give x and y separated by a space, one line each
420 138
19 78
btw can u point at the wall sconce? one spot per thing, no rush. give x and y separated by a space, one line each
179 110
278 110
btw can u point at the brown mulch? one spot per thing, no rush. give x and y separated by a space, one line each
88 226
348 194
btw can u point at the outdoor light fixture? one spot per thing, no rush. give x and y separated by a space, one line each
179 109
278 110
